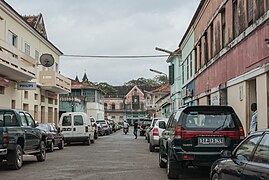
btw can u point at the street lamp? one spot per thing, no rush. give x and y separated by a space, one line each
158 72
164 50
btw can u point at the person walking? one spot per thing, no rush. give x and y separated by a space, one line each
135 128
253 123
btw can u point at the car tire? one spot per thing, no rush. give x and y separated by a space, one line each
92 140
41 156
172 168
95 135
162 164
61 144
88 141
15 158
151 148
215 176
51 148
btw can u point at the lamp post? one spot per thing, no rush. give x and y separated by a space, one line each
158 72
164 50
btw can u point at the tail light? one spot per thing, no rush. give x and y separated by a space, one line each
155 132
86 129
178 132
5 139
241 133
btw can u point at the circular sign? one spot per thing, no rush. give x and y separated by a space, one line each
46 60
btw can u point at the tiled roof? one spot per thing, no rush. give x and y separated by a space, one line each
164 88
81 85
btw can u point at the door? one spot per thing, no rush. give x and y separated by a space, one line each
242 155
29 138
35 132
166 132
67 125
78 126
258 167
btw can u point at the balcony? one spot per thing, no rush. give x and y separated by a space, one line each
14 64
55 82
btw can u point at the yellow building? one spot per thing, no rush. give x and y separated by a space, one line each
24 83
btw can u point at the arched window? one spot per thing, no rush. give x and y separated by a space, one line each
105 106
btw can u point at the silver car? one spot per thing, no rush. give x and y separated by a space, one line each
155 133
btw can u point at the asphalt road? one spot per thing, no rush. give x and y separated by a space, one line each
117 156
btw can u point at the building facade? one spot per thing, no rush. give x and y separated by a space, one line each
231 56
24 83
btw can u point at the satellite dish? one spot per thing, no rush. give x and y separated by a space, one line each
46 60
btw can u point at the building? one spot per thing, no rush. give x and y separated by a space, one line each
24 83
231 56
84 97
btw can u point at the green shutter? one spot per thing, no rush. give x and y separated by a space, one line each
171 74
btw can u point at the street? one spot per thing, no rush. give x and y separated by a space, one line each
116 156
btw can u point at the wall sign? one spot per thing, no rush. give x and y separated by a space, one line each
26 86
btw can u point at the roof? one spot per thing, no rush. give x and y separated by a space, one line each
37 22
164 88
81 85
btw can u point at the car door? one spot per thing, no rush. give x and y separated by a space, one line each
233 169
258 167
67 127
28 136
54 133
35 132
166 132
78 125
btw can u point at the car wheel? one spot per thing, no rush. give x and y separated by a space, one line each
92 140
15 158
95 135
172 168
61 144
215 176
51 148
41 156
161 163
88 141
151 148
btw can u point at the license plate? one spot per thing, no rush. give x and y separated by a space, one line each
210 140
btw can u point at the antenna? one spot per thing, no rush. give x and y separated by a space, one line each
46 60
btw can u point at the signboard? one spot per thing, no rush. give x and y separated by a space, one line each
51 95
26 86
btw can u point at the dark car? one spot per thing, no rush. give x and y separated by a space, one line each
54 136
101 130
196 135
144 125
250 160
112 123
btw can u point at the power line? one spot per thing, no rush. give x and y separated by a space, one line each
115 56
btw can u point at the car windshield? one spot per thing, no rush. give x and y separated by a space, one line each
146 122
208 120
43 127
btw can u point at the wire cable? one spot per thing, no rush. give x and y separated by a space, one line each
115 56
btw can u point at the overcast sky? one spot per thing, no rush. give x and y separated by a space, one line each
112 27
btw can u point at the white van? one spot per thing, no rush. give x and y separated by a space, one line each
76 127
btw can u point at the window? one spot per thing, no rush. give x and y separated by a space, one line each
2 90
12 39
205 48
25 107
113 106
223 27
30 120
244 152
212 39
36 96
105 106
250 12
27 48
23 119
187 62
235 19
191 64
90 95
37 56
50 100
66 121
42 98
78 120
262 152
26 94
8 119
200 54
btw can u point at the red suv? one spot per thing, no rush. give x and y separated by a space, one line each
196 135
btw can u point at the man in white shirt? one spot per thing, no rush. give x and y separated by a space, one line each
253 123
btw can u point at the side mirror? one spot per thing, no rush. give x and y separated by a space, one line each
162 125
225 154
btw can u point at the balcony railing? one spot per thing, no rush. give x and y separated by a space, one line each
55 82
14 64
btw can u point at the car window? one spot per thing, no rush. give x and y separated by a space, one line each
208 120
261 154
245 150
43 127
66 121
23 119
78 120
30 120
8 119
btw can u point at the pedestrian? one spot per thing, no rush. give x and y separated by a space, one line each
135 128
253 123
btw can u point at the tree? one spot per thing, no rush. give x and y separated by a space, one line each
161 80
107 88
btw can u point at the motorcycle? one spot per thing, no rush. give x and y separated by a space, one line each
125 130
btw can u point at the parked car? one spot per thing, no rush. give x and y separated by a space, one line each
104 125
144 125
16 129
54 136
112 123
196 135
249 160
155 133
101 130
150 128
76 127
94 125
